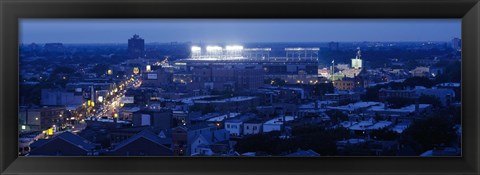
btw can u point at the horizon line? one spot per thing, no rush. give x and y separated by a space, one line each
169 42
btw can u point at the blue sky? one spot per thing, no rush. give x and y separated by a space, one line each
237 30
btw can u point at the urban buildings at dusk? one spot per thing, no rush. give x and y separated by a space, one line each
148 98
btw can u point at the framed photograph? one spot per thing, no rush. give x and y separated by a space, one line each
236 87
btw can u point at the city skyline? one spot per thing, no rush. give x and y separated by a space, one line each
230 99
238 31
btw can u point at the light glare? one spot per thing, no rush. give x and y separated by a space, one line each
196 49
234 47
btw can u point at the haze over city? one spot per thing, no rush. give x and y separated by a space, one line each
237 30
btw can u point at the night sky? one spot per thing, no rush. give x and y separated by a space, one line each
237 30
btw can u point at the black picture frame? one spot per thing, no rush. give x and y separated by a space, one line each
12 10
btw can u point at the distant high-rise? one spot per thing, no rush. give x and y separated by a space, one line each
457 44
136 47
333 46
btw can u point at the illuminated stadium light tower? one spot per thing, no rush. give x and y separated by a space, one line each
302 53
214 51
262 53
196 52
233 51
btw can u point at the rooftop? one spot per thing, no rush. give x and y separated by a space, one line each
450 84
147 134
279 120
72 139
406 109
355 106
223 117
312 105
370 125
190 100
302 153
233 99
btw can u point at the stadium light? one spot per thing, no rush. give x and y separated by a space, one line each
213 48
196 49
301 48
234 48
257 49
196 52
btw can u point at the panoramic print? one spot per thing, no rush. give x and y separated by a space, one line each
240 87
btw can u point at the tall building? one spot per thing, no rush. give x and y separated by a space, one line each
53 97
457 44
136 47
40 118
357 61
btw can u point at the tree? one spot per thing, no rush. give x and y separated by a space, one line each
371 94
100 69
429 99
308 136
411 64
384 134
433 131
337 116
264 142
378 117
418 81
399 102
322 88
318 138
452 72
62 70
275 82
208 109
204 109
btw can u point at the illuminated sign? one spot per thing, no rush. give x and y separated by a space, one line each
148 68
50 131
126 100
136 70
180 64
100 99
152 76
